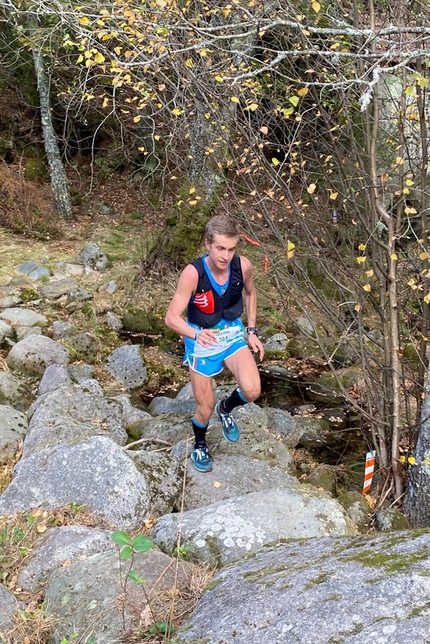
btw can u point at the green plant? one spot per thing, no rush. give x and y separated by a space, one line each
182 551
129 546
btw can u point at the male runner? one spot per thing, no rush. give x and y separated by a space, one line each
210 288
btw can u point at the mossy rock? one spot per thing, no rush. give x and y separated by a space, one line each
323 476
28 295
327 387
137 320
356 508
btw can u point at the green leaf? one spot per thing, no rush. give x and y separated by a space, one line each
126 552
134 576
294 100
121 538
141 543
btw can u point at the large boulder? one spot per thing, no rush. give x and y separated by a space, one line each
32 355
95 473
233 476
126 365
320 591
14 391
95 598
237 526
71 413
13 427
8 606
59 547
165 477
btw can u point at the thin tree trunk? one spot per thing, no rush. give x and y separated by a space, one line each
60 188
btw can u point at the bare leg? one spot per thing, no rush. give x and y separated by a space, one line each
242 366
204 395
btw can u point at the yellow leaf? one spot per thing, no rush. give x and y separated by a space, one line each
423 255
234 99
290 245
67 563
105 102
333 195
84 20
252 107
189 63
361 260
275 162
99 58
400 160
362 247
409 182
89 62
137 119
367 288
80 58
393 256
192 191
217 484
369 273
410 211
411 460
193 202
177 112
427 298
264 130
219 79
290 254
311 188
316 6
303 91
357 308
402 459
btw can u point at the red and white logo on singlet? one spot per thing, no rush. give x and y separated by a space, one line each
205 302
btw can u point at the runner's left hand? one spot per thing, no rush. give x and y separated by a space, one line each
256 345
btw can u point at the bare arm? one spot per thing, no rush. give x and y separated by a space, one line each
186 288
251 305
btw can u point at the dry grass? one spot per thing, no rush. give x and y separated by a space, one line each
167 610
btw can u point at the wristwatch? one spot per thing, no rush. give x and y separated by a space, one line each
252 330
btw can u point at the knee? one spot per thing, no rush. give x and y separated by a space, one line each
252 393
205 410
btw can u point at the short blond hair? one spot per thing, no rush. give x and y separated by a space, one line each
220 225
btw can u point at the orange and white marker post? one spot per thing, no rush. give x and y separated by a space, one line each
369 468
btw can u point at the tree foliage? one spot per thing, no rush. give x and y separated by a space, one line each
310 121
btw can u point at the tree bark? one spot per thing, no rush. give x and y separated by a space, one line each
59 183
417 497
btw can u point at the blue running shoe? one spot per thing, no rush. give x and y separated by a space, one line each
230 429
201 459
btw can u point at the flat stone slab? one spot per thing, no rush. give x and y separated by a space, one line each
23 317
233 476
230 529
372 589
54 290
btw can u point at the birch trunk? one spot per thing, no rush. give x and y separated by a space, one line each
60 188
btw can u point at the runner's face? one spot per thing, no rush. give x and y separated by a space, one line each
221 250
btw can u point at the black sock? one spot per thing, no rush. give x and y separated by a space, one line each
199 433
234 400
